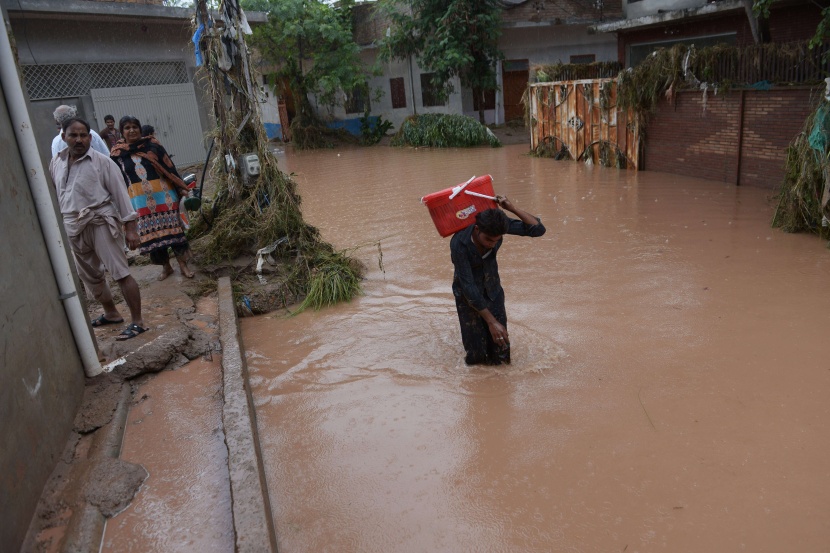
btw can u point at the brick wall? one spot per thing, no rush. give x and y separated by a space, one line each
683 138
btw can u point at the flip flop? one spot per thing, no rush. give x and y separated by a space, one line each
102 321
131 331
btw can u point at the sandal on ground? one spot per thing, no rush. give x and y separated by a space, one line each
130 332
102 321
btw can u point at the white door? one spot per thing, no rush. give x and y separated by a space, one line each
171 109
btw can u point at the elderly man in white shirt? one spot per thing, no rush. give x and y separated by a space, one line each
95 205
65 113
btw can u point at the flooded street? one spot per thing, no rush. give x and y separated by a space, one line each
670 384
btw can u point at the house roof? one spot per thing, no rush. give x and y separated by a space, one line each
526 13
85 10
714 7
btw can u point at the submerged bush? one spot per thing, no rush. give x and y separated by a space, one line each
438 130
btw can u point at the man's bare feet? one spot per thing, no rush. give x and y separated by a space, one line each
184 268
166 271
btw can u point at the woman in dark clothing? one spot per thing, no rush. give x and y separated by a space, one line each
154 186
479 297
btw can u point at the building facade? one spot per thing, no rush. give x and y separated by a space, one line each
112 58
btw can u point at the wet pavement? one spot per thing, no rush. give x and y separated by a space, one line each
668 391
174 430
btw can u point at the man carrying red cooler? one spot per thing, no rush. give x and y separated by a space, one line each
479 297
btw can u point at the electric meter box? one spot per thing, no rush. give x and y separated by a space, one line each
249 165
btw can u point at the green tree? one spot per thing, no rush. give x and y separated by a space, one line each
757 24
450 38
311 47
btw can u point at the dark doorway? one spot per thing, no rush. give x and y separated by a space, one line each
515 76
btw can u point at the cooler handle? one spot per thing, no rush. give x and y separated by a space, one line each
457 189
471 193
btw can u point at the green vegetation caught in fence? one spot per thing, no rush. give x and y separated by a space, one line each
799 199
576 71
437 130
717 68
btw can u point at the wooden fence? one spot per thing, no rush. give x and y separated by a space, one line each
579 120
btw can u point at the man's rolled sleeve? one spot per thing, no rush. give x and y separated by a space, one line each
520 228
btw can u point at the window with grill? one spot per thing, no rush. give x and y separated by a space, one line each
356 100
67 80
584 58
398 92
430 92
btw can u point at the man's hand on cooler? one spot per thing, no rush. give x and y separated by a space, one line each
504 203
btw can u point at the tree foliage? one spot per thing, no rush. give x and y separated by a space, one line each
449 37
310 47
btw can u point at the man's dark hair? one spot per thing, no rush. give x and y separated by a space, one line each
109 118
147 130
74 120
493 222
128 119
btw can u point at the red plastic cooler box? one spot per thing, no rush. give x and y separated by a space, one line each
454 209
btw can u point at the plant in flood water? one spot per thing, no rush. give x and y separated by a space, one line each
331 281
439 130
373 130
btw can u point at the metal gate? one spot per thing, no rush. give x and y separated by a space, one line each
171 109
579 120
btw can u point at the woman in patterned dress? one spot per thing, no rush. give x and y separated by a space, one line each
154 186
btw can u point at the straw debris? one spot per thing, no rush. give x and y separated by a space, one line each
263 212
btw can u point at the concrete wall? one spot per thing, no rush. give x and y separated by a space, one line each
547 45
643 8
41 376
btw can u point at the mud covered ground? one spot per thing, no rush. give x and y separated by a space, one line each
90 482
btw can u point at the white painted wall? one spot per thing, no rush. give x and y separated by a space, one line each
268 104
383 106
537 43
556 43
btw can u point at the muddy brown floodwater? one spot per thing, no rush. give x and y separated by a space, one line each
670 385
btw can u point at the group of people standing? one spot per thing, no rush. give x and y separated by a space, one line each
117 187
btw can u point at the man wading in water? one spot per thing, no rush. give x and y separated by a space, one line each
479 297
